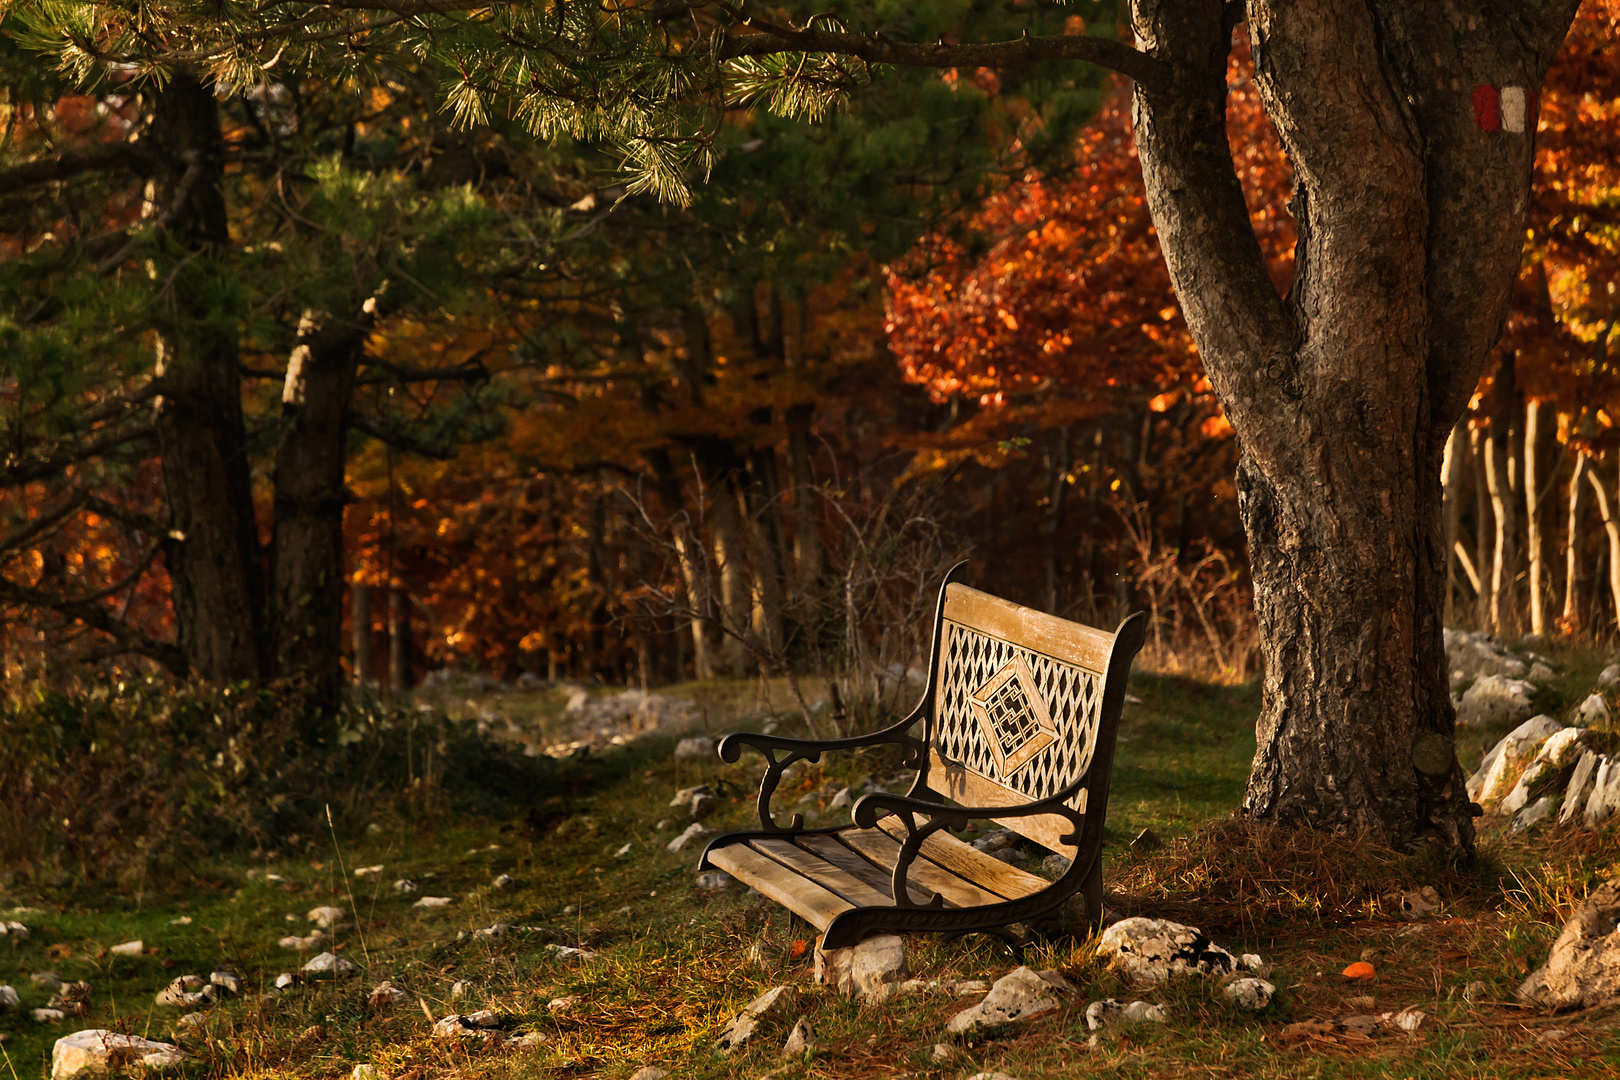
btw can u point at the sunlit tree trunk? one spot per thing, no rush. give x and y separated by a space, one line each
1612 528
1504 612
1572 549
1451 470
1484 528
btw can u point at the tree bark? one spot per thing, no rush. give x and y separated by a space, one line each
1572 550
1343 393
212 550
694 567
306 564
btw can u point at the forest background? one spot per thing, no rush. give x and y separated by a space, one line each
472 403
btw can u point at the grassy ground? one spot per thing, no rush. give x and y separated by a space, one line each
675 962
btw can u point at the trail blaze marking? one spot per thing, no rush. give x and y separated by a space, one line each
1513 109
1510 108
1487 113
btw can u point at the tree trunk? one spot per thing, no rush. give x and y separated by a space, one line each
400 676
1504 611
1572 550
736 608
1451 472
1612 528
695 574
1532 513
1343 393
360 632
1058 463
212 550
306 564
1484 529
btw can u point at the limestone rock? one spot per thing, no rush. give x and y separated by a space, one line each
98 1052
386 994
285 979
1609 677
841 798
327 917
995 840
712 880
568 952
304 944
1249 992
1593 710
529 1040
1099 1014
1019 995
692 832
696 748
505 882
1604 800
1494 699
129 948
329 964
742 1027
365 1072
469 1026
1579 787
1472 655
1583 967
226 979
366 872
1150 951
684 796
1496 773
648 1072
1552 764
703 806
800 1039
1537 811
184 992
434 902
1540 673
9 999
406 887
870 971
48 1016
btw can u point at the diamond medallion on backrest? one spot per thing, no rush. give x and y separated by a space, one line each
1020 718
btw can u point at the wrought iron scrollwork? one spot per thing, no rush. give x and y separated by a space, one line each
795 750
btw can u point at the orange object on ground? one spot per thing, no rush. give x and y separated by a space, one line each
1359 970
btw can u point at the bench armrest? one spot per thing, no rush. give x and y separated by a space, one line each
796 750
938 816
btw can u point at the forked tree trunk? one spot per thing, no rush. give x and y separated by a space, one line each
1572 548
212 550
1343 394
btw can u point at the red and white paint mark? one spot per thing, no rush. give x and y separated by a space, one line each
1510 108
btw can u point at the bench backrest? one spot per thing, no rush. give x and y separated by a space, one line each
1024 703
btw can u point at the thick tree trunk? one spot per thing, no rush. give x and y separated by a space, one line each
1572 549
213 545
1343 394
306 565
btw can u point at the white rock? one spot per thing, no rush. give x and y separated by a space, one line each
743 1026
226 980
1556 757
1471 655
969 987
9 998
1249 993
365 1072
568 952
1579 787
327 917
684 796
1251 961
48 1016
1150 951
191 1020
693 831
1499 768
1540 673
841 799
1609 677
1537 811
304 944
1408 1019
96 1051
406 887
870 971
285 979
183 992
433 902
943 1052
506 882
1604 801
386 993
648 1072
13 929
1494 699
460 989
992 1076
529 1040
1100 1014
1593 710
800 1039
996 840
483 1018
712 880
46 980
329 964
562 1004
1016 996
129 948
457 1026
696 748
363 873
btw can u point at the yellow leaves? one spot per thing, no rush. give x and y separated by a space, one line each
1161 402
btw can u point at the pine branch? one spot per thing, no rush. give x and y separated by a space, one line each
91 613
401 441
75 162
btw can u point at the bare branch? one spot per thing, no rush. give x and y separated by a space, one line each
105 157
402 441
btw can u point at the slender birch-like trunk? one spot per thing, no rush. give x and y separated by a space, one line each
1451 471
1532 511
1612 528
1572 547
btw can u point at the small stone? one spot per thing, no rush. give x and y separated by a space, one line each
226 980
9 998
1017 996
506 882
456 1026
568 952
191 1020
183 992
1056 865
386 994
801 1039
991 1076
842 798
529 1040
434 902
95 1051
496 930
703 806
1249 993
304 944
648 1072
406 887
1592 711
48 1016
692 832
483 1018
1010 856
129 948
1251 961
1146 840
460 989
365 872
696 748
1150 951
285 979
713 880
330 964
996 840
1609 677
180 920
1540 673
46 980
327 917
1100 1014
1496 699
870 971
1536 812
742 1027
571 909
969 987
942 1052
1476 991
1408 1020
562 1004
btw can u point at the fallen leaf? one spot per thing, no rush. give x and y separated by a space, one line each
1359 970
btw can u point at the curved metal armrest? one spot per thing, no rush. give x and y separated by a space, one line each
869 807
796 750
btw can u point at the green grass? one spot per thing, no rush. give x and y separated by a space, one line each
674 967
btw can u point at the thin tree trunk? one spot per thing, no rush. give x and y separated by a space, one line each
1572 548
735 601
1451 470
1504 612
1532 516
695 574
212 548
1058 462
360 632
1484 527
1612 528
400 676
765 549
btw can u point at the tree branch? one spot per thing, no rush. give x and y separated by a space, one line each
769 40
104 157
93 615
400 440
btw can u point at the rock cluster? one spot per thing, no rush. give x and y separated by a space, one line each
1542 767
615 719
95 1052
1583 968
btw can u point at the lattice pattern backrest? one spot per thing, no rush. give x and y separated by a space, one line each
1019 694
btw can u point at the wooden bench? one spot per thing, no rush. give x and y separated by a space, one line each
1019 720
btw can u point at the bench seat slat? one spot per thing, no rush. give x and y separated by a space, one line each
970 864
882 848
832 850
810 901
823 873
